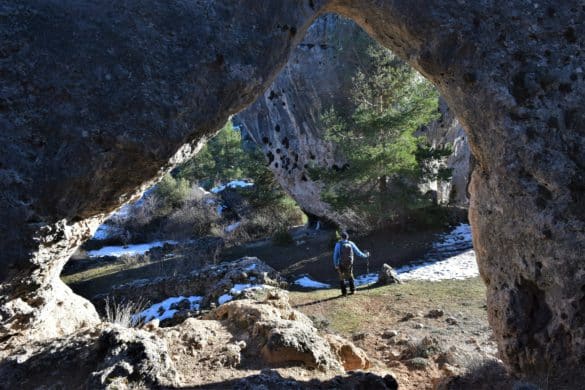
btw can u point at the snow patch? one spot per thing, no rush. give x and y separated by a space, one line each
232 184
231 227
461 266
162 310
366 279
224 298
452 257
237 289
219 209
129 250
307 282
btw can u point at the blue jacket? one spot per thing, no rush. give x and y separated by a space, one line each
337 252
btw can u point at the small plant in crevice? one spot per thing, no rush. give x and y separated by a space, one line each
123 313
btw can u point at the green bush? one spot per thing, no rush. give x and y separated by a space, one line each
172 191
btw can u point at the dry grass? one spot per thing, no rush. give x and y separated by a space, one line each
385 306
122 313
418 352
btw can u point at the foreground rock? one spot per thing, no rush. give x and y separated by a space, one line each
285 335
83 134
106 356
230 344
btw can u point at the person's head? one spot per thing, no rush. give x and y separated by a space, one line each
344 236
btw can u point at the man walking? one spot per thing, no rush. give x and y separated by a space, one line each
343 261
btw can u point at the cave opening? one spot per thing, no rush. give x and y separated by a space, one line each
63 175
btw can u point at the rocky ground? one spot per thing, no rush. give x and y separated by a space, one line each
231 346
233 325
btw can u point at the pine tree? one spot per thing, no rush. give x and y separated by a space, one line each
385 160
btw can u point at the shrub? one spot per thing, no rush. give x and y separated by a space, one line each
271 220
194 218
172 192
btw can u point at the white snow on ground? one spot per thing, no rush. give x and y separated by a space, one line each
219 209
224 298
232 184
362 280
162 310
451 257
461 266
307 282
230 228
238 289
130 250
250 267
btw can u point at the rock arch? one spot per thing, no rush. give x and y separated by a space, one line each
99 100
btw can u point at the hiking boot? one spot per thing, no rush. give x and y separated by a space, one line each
351 292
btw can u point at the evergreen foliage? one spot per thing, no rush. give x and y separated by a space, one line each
224 159
385 160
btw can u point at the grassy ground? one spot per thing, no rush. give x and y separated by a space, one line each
460 337
372 308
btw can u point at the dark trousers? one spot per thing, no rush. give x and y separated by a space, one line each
346 273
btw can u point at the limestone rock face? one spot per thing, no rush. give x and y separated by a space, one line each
99 100
285 121
448 132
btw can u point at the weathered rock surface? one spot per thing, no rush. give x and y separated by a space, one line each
106 356
352 357
99 101
210 282
285 122
284 335
448 132
196 352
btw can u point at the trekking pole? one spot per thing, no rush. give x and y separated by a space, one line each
368 264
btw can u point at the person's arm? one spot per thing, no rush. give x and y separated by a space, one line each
336 256
357 251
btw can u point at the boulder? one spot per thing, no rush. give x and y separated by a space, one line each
387 275
350 356
283 335
106 356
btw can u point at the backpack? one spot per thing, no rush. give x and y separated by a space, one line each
346 260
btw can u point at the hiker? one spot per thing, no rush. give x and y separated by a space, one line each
343 261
